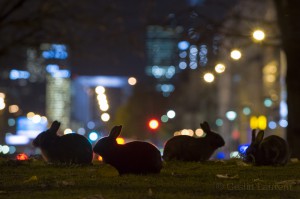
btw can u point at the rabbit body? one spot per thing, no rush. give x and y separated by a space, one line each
187 148
67 149
273 150
135 157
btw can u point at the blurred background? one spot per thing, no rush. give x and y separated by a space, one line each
158 68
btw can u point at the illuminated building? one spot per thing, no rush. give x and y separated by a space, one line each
161 56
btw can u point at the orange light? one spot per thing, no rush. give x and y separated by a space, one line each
120 141
22 156
153 124
100 158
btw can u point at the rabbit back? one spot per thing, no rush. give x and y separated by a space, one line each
70 149
187 148
273 150
135 157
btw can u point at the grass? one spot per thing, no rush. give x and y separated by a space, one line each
177 180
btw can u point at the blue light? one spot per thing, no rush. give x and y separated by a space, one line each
220 155
93 136
51 68
61 74
272 125
18 74
183 45
219 122
243 148
57 51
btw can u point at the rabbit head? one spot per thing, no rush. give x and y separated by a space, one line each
252 150
104 145
47 135
215 139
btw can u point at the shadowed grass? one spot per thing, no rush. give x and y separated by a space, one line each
35 179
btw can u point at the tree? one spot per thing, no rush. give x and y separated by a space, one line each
288 20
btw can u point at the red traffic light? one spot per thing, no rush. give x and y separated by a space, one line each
153 124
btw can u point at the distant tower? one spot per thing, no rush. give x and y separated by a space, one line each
162 56
58 83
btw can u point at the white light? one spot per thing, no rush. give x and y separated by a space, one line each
100 90
16 139
235 54
183 45
231 115
220 68
283 123
105 117
93 136
36 118
132 81
5 149
209 77
67 131
171 114
259 35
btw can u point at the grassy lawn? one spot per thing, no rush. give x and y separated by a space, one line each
213 179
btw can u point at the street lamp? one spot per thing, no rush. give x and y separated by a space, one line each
220 68
209 77
235 54
258 35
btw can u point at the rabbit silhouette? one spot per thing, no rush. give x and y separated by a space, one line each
69 149
187 148
272 150
135 157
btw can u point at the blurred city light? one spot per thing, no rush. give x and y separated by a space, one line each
93 136
231 115
246 111
258 122
120 140
209 77
13 108
183 45
164 118
105 117
22 156
153 124
258 35
132 81
67 131
235 54
100 90
171 114
220 68
199 132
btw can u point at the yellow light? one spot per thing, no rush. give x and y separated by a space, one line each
30 115
209 77
2 95
132 81
105 117
262 122
258 35
100 158
100 90
220 68
120 140
13 108
235 54
199 132
253 122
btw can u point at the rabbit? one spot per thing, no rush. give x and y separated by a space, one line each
67 149
135 157
273 150
187 148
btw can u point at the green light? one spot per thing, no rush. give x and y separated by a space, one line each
246 111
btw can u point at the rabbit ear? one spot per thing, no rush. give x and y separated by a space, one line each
253 135
54 126
115 131
260 136
205 127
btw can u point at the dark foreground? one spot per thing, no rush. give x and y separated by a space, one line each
221 179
